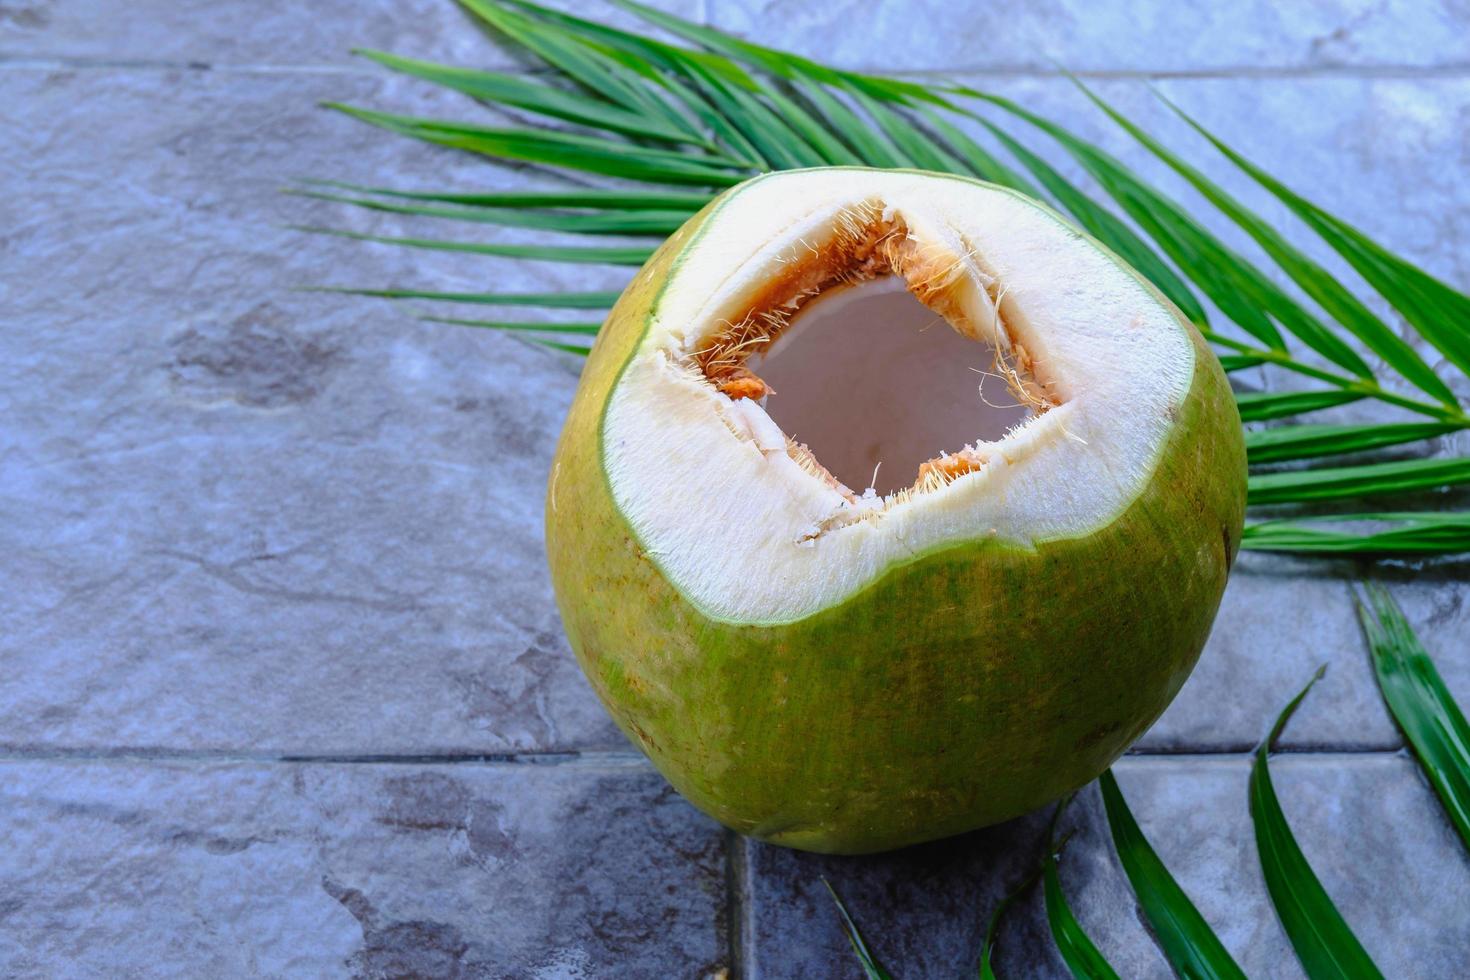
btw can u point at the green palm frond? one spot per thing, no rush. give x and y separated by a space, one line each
1076 948
986 967
1401 534
659 128
545 253
1324 944
1372 479
1315 281
539 326
619 200
1421 705
1291 442
591 154
623 221
563 301
1190 944
872 969
1437 310
1264 406
514 91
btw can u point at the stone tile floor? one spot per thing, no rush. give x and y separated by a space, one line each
285 693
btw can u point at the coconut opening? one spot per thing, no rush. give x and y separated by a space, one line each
876 384
864 348
747 524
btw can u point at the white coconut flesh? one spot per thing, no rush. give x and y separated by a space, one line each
792 424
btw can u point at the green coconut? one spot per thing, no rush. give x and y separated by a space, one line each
832 659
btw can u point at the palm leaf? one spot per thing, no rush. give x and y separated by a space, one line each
778 144
1239 362
586 153
1186 939
517 92
986 969
616 221
1076 948
565 301
1403 476
577 349
538 326
592 69
1406 535
1263 406
812 129
1423 707
1311 277
684 75
635 256
1360 387
915 149
780 63
1438 311
1105 226
1323 942
980 161
599 200
1290 442
872 969
871 149
685 122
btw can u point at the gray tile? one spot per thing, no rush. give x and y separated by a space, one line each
272 33
242 521
234 870
277 522
1193 36
240 516
1369 826
1280 620
928 36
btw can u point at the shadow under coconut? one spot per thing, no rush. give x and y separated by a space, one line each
923 910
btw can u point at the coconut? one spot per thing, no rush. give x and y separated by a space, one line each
890 506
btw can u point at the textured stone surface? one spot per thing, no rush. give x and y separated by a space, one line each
235 870
239 516
264 34
294 523
1195 36
1368 825
243 523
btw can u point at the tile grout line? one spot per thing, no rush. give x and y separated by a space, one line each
737 916
748 943
603 759
1455 70
610 758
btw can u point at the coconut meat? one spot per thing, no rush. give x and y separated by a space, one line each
1031 374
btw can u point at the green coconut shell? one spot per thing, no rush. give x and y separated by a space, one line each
961 688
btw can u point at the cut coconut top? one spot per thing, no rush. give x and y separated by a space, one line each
752 525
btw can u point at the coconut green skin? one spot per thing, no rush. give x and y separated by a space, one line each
960 689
